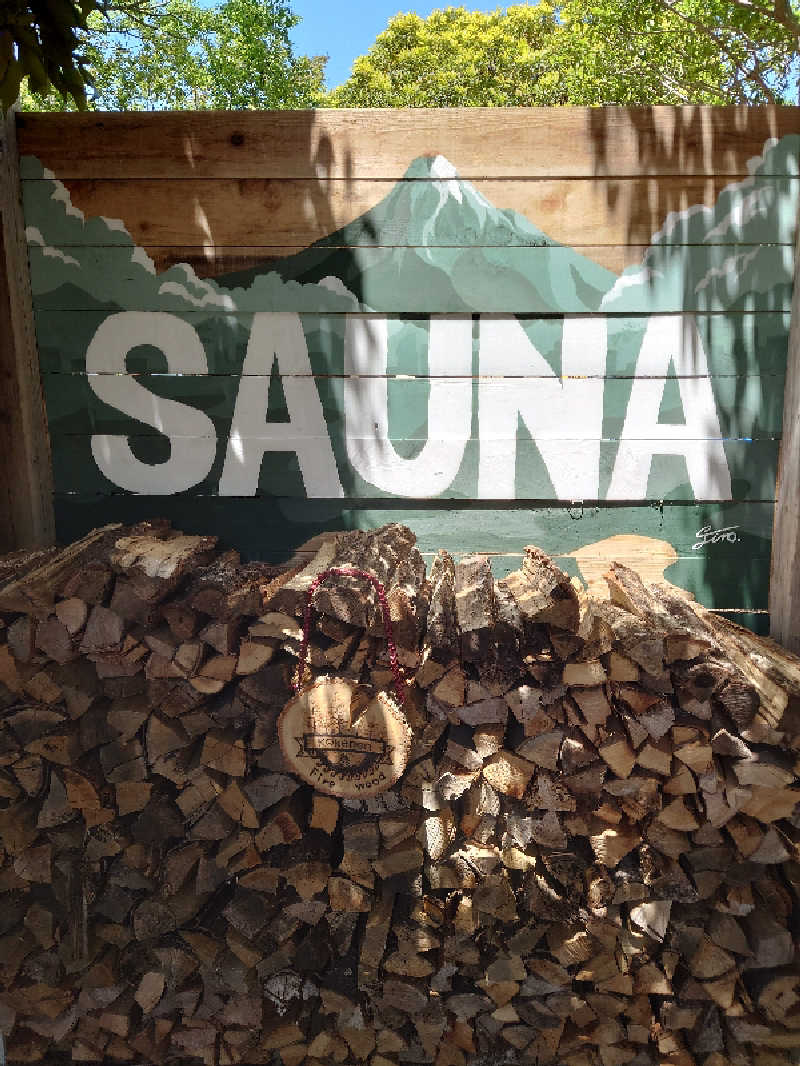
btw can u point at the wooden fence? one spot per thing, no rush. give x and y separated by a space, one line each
501 327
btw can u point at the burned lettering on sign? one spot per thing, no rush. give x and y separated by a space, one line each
339 751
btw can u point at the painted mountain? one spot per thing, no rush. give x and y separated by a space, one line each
435 242
455 244
97 259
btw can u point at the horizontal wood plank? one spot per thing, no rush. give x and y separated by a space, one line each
740 344
519 281
291 212
751 465
748 407
481 142
210 261
274 528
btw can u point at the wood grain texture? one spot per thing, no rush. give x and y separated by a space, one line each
481 142
784 591
220 212
26 510
564 742
375 739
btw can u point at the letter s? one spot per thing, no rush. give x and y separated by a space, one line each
192 437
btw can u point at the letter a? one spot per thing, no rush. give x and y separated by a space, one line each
278 335
671 338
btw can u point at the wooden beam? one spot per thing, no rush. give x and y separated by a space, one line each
529 142
784 585
26 482
162 212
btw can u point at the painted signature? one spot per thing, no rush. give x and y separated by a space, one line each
708 535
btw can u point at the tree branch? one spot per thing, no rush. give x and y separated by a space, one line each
783 13
780 11
753 75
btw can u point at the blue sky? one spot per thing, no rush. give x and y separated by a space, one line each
346 30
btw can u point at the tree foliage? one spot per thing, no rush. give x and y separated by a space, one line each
458 58
234 55
40 40
152 54
583 52
682 51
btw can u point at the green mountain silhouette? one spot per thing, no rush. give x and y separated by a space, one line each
434 241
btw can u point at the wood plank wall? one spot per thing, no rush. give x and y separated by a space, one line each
271 324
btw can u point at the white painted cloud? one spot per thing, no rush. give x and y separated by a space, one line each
142 259
61 194
212 298
34 236
114 224
644 276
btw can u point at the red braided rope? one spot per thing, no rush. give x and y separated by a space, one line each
387 625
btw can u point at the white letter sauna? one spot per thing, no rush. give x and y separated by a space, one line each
515 389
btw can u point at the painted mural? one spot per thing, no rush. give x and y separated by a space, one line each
437 360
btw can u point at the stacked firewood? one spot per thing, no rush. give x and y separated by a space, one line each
591 858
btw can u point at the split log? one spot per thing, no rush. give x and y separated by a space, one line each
589 856
34 591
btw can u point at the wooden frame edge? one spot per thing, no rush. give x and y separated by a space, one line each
26 479
784 579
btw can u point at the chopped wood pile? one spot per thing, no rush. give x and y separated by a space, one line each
591 858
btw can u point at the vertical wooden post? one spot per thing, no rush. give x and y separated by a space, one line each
26 481
784 580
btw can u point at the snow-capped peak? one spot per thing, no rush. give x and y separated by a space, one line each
447 183
441 167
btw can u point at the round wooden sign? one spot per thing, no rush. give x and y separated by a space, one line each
344 741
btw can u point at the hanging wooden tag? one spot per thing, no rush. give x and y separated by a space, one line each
344 741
